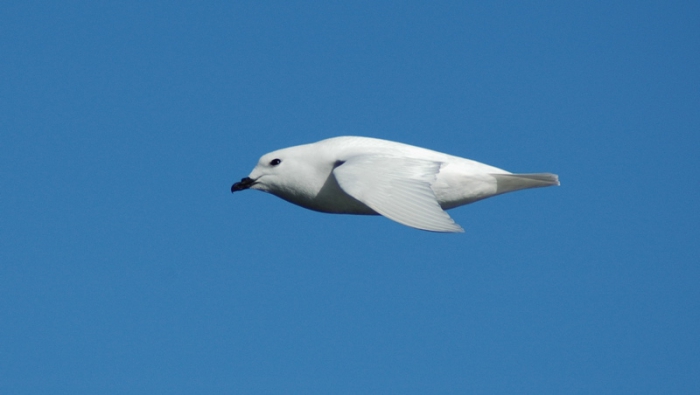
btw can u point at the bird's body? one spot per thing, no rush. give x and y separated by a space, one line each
361 175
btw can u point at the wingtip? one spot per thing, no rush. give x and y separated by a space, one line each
455 228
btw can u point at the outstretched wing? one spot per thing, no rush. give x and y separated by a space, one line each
397 188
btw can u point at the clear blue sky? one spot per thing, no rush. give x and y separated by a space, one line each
127 266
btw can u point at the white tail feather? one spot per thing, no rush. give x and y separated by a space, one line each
516 182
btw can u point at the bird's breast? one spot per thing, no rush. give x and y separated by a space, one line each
328 198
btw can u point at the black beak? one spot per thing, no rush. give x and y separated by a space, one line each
244 183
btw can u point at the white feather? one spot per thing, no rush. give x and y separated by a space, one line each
397 188
361 175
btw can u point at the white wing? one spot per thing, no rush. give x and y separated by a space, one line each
397 188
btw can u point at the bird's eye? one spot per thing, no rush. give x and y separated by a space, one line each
275 162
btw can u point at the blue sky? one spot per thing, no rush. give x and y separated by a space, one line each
126 265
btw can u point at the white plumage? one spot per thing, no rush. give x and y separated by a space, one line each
361 175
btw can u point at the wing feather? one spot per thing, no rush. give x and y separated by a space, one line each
397 188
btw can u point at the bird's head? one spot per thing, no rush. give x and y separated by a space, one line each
293 174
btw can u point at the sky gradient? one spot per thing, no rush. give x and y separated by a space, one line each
127 266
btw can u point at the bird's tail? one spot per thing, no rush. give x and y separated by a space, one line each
516 182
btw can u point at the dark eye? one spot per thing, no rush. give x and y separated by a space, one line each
275 162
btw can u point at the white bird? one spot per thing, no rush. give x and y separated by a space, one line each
362 175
